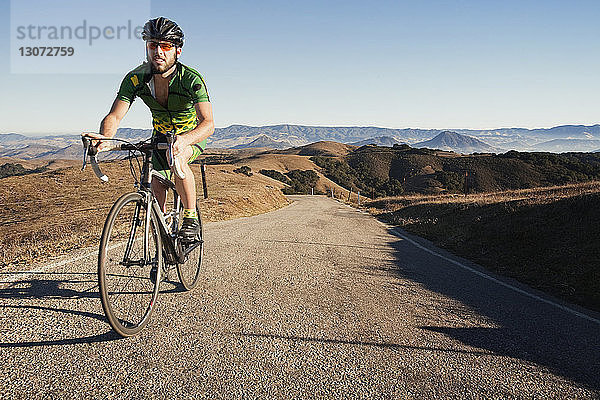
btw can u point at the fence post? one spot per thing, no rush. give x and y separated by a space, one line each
312 191
359 197
204 186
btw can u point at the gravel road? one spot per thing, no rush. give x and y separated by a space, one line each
316 300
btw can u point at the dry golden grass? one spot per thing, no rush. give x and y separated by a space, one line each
543 195
35 163
289 162
55 212
278 162
324 148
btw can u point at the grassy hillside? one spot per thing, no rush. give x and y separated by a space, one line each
54 212
547 238
287 161
325 148
383 171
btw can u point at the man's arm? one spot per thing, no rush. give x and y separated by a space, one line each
204 129
110 123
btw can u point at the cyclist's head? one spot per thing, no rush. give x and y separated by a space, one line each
163 29
164 39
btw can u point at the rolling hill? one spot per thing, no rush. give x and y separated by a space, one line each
325 148
384 171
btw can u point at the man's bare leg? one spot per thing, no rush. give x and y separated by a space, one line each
186 187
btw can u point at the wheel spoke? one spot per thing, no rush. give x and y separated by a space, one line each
127 292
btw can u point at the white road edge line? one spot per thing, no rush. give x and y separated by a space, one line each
19 275
48 267
491 278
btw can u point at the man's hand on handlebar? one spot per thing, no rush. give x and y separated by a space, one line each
98 142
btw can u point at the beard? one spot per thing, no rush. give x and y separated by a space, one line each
159 68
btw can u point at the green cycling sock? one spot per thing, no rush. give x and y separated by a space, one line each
190 214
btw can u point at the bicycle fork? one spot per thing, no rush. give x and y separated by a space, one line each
138 222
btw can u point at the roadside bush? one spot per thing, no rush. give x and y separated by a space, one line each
452 181
244 169
271 173
301 182
10 169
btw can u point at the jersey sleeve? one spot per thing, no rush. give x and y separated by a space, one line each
199 91
127 89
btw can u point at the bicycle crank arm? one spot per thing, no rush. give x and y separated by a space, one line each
131 263
194 245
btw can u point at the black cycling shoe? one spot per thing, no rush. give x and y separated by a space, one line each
190 230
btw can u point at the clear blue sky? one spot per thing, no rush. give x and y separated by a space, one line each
426 64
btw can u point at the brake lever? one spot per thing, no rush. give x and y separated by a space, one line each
86 145
96 169
92 151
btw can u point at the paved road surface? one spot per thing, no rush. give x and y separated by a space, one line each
313 300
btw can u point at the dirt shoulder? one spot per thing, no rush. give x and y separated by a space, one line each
55 212
547 238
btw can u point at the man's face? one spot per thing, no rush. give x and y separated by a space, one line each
161 55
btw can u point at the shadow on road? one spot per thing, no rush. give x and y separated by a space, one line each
59 286
104 337
357 342
51 288
527 329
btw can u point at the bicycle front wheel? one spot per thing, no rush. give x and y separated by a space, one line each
129 265
189 270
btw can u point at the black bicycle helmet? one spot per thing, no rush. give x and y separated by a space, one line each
162 28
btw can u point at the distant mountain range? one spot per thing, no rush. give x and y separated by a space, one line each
457 143
557 145
265 141
501 140
378 141
564 138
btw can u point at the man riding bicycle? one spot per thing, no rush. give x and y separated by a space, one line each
178 99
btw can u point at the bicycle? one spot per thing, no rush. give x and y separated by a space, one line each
140 242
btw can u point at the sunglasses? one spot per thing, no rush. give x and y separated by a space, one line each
163 46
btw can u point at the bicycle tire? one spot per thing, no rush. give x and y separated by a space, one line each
127 291
189 270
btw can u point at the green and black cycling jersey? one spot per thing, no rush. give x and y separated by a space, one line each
186 88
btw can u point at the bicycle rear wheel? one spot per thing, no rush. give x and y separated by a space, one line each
189 270
130 247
